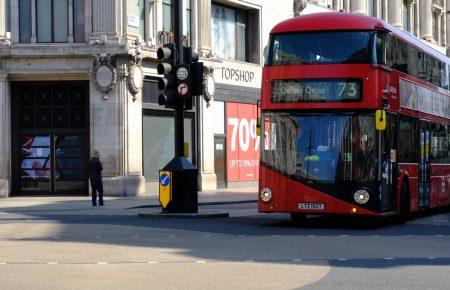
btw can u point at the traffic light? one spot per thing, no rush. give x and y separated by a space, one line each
167 55
196 71
194 80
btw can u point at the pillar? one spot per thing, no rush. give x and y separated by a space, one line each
3 21
207 176
337 5
116 132
377 9
5 137
395 13
106 19
358 6
447 23
417 17
426 18
204 27
384 10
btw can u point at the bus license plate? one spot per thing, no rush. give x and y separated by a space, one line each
313 206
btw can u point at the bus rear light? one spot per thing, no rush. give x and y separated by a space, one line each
361 196
266 194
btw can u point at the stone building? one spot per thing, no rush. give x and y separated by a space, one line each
80 75
426 19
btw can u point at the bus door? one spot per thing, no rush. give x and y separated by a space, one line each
424 165
388 157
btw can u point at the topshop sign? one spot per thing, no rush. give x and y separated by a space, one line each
237 74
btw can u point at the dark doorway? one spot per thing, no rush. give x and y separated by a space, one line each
220 160
50 137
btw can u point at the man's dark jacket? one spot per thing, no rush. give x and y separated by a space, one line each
95 169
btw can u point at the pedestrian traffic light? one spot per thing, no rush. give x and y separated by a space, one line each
167 55
195 78
196 70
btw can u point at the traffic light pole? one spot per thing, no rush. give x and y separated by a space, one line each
178 187
179 103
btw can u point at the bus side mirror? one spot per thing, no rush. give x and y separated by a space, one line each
380 120
258 118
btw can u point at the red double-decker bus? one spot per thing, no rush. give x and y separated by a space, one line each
355 119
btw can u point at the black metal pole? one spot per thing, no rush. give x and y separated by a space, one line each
179 110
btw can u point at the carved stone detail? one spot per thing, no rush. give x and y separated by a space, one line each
104 74
135 76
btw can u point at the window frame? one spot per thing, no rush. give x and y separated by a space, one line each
52 20
237 24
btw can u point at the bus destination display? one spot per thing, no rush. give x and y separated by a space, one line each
315 90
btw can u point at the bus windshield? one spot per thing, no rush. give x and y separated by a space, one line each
321 148
329 47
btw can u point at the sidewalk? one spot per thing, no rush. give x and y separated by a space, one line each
117 204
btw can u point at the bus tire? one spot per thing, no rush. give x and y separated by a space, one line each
404 207
297 217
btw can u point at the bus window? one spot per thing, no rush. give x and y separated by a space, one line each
439 144
320 47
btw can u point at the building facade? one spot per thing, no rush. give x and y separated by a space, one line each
80 75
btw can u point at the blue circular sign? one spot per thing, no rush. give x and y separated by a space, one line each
164 179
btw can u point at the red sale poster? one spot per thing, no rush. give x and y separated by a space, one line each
242 142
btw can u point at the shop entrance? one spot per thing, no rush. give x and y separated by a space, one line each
49 138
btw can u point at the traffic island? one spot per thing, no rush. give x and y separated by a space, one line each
204 214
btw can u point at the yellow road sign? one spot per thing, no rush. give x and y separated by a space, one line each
165 187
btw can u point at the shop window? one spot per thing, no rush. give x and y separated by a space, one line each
158 140
229 32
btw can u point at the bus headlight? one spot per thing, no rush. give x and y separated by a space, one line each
266 194
361 196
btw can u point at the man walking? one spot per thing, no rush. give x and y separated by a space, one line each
95 175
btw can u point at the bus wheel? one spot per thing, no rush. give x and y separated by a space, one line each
297 217
404 203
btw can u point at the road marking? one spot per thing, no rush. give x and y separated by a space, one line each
296 260
171 236
2 263
56 237
102 263
438 235
97 237
200 261
431 258
389 258
342 259
344 235
52 263
375 235
152 262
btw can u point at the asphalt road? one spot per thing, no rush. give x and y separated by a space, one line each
66 244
